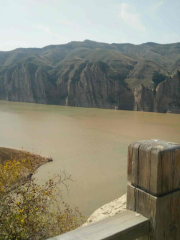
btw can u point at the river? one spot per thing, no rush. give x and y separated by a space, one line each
91 144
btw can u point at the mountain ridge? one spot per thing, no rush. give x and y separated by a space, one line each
90 74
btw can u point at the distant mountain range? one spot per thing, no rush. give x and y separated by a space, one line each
91 74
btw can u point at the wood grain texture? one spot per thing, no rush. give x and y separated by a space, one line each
133 152
129 162
163 213
135 161
154 166
131 198
177 169
124 226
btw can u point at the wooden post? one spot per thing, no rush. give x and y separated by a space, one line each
154 188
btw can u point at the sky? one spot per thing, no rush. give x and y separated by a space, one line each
38 23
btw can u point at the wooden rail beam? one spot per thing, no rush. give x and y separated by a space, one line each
127 225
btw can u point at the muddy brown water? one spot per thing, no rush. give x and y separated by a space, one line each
91 144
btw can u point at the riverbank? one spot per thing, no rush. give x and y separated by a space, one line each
19 155
108 210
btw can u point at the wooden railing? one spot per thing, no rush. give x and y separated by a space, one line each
153 198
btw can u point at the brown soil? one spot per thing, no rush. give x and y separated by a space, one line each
12 154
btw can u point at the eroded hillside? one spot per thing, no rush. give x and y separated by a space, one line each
91 74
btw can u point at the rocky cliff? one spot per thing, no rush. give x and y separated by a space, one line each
108 210
164 98
91 74
94 84
24 82
86 84
168 95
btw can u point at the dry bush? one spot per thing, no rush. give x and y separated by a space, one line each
29 210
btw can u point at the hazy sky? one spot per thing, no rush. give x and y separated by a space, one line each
37 23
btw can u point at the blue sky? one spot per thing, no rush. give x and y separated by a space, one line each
37 23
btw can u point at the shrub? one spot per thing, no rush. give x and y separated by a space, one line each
29 210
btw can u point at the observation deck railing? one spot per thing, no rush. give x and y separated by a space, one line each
153 198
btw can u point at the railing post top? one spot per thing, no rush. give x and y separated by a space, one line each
154 166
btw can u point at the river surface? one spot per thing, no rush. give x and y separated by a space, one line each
91 144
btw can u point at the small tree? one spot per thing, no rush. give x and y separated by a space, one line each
29 210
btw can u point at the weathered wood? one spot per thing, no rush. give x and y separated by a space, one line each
163 212
177 169
135 162
154 192
124 226
129 162
154 166
131 200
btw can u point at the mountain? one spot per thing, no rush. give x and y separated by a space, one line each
92 74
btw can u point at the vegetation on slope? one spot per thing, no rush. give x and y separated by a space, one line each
29 210
88 74
124 58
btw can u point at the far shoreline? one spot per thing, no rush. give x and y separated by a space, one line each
13 154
